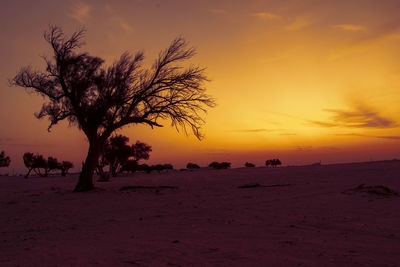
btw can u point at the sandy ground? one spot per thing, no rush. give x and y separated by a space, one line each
207 220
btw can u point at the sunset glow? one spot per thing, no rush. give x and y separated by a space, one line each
304 81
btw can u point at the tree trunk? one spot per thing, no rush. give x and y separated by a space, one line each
114 167
29 171
85 182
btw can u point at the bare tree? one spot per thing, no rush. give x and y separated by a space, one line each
100 100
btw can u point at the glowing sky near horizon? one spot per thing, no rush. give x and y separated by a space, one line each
300 80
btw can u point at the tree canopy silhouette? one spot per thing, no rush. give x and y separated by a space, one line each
100 100
4 160
35 162
117 152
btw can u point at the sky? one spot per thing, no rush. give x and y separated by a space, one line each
304 81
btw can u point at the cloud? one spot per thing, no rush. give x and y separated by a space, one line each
251 131
80 11
385 30
390 137
360 116
350 27
125 26
265 15
117 20
298 24
217 11
304 148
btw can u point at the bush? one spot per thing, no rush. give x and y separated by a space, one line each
192 166
4 161
273 162
220 165
249 165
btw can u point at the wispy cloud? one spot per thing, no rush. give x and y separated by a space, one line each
217 10
265 15
80 11
360 116
250 131
115 18
303 148
350 27
390 137
126 27
298 24
385 30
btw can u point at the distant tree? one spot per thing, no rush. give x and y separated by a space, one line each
220 165
141 151
144 168
100 100
273 162
52 164
35 162
277 162
116 152
249 165
64 167
168 166
213 164
130 165
224 165
192 166
29 162
157 167
4 160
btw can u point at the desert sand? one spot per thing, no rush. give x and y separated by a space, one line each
288 216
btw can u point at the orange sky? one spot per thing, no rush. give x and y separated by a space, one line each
300 80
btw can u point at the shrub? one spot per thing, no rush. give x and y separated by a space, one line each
249 165
220 165
273 162
192 166
4 161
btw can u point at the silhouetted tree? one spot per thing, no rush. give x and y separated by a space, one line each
35 163
277 162
192 166
52 164
64 167
249 165
117 151
220 165
141 151
213 164
101 100
4 160
168 166
273 162
130 165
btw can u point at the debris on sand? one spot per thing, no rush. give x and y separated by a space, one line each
379 190
254 185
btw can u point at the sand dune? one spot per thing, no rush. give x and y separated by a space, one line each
296 216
